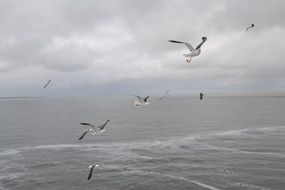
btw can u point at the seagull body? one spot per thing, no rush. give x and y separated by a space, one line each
193 52
164 96
47 83
91 170
97 129
249 27
141 101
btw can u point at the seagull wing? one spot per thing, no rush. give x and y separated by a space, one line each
47 83
140 98
145 100
166 92
103 126
251 26
91 172
83 135
203 41
88 124
164 96
187 44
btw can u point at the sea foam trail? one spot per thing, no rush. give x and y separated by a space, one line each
233 150
176 177
193 181
9 152
238 132
250 186
156 143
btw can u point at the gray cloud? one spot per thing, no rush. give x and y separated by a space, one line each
111 47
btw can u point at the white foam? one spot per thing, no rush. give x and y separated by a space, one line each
10 152
233 150
250 186
176 177
238 132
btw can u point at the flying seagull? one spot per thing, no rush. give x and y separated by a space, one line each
201 96
91 169
141 101
164 96
251 26
193 52
47 83
93 128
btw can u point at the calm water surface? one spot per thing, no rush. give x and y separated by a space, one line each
177 143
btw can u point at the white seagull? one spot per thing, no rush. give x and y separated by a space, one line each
193 52
91 169
93 128
141 101
251 26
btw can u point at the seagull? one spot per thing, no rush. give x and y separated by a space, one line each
251 26
193 52
91 169
93 128
164 96
201 96
141 101
47 83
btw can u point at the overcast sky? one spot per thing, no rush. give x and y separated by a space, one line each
118 47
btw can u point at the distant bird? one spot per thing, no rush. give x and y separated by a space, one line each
193 52
201 96
91 170
93 128
164 96
141 101
249 27
47 83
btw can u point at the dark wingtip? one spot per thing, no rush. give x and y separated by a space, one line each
175 41
204 38
252 25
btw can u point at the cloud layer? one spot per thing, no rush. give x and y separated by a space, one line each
120 47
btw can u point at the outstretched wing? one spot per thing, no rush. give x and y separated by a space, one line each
103 126
88 124
91 172
251 26
145 100
203 41
47 83
140 98
83 135
164 96
187 44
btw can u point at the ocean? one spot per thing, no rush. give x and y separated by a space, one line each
177 143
